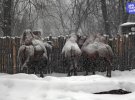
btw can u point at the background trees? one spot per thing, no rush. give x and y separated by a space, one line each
60 17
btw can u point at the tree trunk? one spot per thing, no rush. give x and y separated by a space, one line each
124 14
7 8
105 17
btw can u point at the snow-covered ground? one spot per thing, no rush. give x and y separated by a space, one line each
58 87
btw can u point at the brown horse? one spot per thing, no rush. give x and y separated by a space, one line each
33 53
95 48
72 52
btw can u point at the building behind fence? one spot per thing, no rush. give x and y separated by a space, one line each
123 48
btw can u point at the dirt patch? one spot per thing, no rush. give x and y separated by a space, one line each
119 92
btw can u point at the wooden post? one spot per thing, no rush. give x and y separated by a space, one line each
14 56
4 39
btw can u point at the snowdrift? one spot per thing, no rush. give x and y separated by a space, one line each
30 87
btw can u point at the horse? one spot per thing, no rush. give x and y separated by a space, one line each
33 53
72 52
96 48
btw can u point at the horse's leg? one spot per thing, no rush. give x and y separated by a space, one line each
36 69
85 65
43 65
70 66
40 66
69 73
31 68
93 67
109 68
25 65
75 66
70 70
75 71
87 72
41 73
25 70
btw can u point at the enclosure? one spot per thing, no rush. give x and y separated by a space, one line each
123 48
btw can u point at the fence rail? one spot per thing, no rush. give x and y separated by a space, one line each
123 48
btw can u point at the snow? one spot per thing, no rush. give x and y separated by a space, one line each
58 87
128 23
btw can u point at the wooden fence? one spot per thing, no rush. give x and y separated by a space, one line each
123 48
124 52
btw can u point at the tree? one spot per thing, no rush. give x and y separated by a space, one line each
7 16
105 17
124 15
